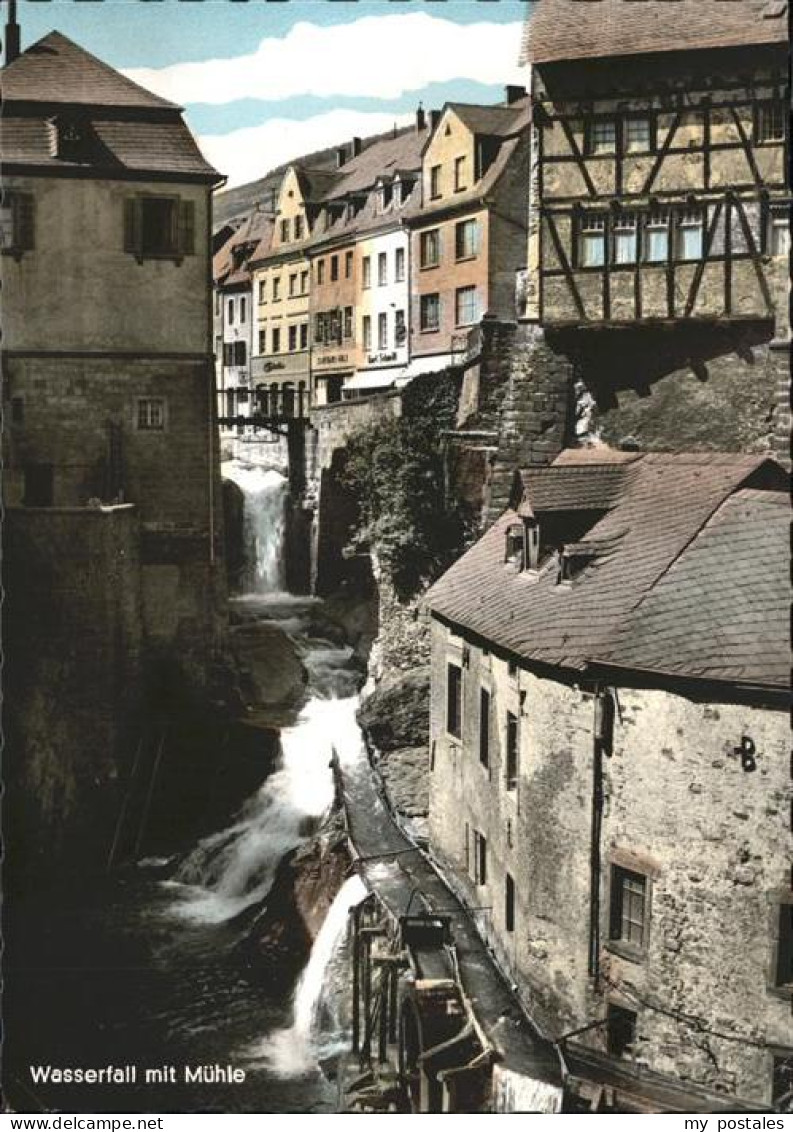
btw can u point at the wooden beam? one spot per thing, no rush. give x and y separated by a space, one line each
662 152
579 157
564 264
754 255
746 145
695 283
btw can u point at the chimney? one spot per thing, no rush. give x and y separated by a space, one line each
356 146
13 44
421 119
341 156
435 117
514 94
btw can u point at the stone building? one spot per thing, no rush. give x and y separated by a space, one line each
660 215
111 481
610 777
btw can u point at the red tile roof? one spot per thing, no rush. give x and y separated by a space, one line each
55 70
658 506
580 29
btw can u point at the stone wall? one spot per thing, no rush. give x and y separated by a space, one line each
712 839
72 638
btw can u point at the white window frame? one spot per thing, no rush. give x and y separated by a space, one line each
430 327
655 224
591 235
625 226
688 222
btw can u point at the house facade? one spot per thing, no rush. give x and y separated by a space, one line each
661 202
610 781
112 563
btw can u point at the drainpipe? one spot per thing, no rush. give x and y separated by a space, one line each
597 825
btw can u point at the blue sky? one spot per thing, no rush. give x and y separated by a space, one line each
265 80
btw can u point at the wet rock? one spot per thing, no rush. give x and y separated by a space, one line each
270 671
397 714
406 777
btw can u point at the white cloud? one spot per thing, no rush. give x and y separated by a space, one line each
246 154
374 57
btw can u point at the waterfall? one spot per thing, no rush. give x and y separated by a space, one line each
265 493
235 868
294 1052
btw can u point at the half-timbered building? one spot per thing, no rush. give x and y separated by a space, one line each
661 193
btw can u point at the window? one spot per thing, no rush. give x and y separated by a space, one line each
240 353
276 340
17 410
628 912
484 727
230 313
243 309
17 222
366 328
334 268
515 549
159 227
39 485
298 227
620 1029
382 269
459 174
292 286
320 271
656 242
512 751
304 336
303 282
782 1082
430 312
435 182
348 322
637 135
779 230
509 903
783 967
319 328
151 414
284 231
348 265
366 265
262 341
400 330
454 700
480 858
592 251
262 291
292 338
466 306
601 136
689 230
466 239
430 248
769 122
626 238
276 288
382 331
399 265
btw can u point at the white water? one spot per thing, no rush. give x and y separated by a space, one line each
265 490
235 868
294 1052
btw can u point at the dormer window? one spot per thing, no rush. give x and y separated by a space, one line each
386 195
574 559
522 551
71 139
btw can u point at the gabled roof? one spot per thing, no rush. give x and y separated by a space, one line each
493 121
56 70
655 570
583 29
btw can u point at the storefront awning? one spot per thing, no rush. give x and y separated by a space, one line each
366 380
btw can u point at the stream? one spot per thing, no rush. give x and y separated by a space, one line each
137 970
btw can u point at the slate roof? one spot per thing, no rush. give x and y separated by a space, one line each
127 129
638 600
493 121
580 29
56 70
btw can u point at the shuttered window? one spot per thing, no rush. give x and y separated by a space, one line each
159 227
17 222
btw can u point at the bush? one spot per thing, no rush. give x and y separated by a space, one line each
395 470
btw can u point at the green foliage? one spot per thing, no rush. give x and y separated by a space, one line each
395 471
